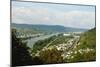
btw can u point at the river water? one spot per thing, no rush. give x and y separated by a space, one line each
32 41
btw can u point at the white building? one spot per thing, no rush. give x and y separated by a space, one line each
66 34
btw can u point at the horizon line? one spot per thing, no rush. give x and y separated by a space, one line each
52 25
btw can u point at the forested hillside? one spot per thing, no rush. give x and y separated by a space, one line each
86 48
88 39
47 28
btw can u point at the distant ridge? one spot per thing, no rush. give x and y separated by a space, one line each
47 28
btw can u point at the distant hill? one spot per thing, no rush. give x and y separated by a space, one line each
47 28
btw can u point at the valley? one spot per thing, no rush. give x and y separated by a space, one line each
68 44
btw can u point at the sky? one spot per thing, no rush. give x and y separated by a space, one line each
77 16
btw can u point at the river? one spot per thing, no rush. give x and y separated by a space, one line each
32 41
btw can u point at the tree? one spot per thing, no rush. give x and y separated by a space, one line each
51 56
20 54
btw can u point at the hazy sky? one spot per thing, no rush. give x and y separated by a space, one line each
53 14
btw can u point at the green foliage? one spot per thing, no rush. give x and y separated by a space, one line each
88 39
86 56
60 40
54 39
51 56
41 43
37 61
20 54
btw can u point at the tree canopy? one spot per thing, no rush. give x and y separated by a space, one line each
20 54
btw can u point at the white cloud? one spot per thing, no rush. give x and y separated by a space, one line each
81 19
